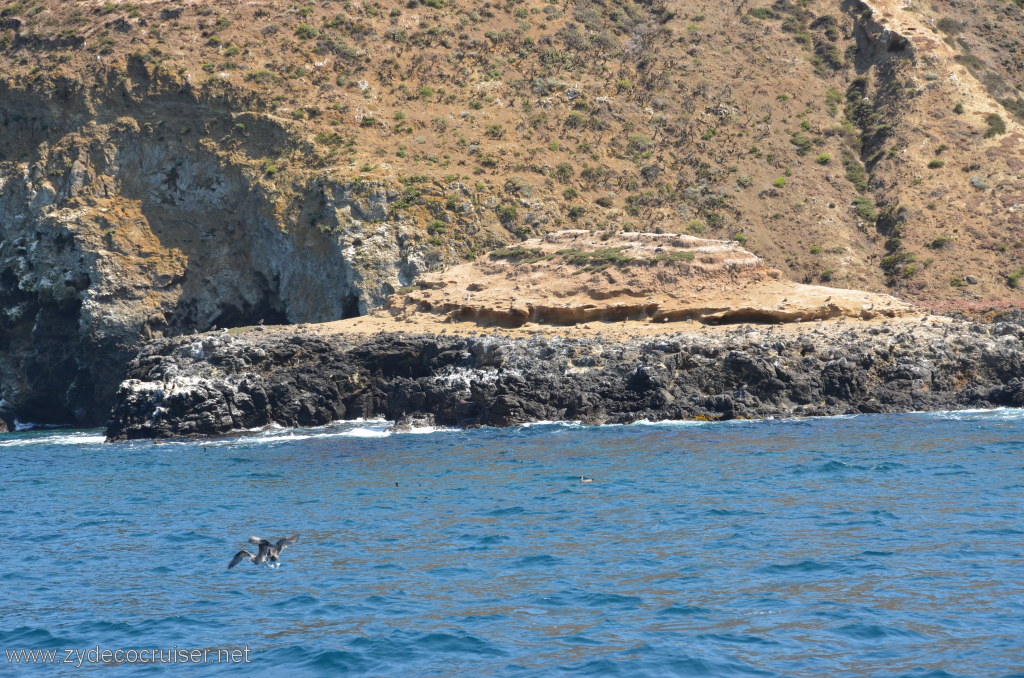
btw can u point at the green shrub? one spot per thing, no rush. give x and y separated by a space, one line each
260 76
675 255
1013 279
855 173
639 144
893 263
595 258
935 163
563 171
803 143
823 159
996 125
530 253
507 214
575 120
864 207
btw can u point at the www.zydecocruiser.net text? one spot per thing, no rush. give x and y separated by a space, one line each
97 655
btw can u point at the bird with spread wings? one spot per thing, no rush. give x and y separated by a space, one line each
268 552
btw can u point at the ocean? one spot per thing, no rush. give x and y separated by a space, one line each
869 545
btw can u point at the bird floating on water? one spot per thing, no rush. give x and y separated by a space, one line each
268 553
586 480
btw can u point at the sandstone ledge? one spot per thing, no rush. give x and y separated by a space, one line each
573 277
219 383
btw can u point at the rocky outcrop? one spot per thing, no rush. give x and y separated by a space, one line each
215 384
579 276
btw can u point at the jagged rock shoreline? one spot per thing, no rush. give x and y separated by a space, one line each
214 384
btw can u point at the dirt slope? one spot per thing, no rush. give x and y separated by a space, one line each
805 128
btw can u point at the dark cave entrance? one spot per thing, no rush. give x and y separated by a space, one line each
268 311
350 307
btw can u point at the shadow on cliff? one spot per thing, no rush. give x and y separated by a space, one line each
137 217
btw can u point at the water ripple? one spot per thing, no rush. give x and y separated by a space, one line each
859 546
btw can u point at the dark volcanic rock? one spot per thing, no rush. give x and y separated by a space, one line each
214 384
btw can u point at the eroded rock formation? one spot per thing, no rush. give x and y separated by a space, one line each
571 277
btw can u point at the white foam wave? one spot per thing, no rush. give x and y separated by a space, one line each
1002 413
77 438
20 426
674 423
572 423
356 428
366 433
424 430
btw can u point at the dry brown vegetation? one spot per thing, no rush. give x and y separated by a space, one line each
873 145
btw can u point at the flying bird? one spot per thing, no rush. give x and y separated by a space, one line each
268 553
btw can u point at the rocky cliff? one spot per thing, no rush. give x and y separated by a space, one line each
139 211
170 167
215 384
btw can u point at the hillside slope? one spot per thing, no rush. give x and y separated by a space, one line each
166 167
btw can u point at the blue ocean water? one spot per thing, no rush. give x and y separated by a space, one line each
861 546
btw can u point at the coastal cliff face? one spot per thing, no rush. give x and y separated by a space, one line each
170 167
128 220
219 383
